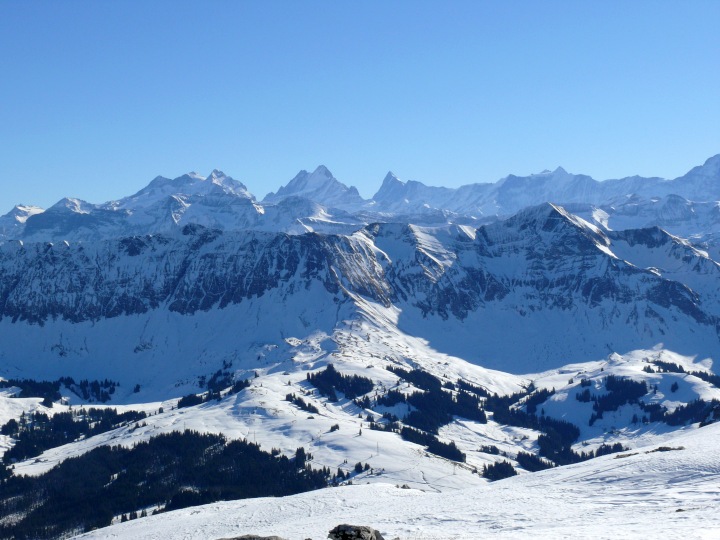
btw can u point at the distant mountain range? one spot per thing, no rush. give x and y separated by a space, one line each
318 202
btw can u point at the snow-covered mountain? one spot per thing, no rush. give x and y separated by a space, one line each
512 193
13 223
319 186
520 325
318 202
165 205
566 289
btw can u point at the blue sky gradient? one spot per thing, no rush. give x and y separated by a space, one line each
97 98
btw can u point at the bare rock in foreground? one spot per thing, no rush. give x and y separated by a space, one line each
354 532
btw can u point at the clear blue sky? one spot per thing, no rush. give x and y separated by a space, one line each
99 97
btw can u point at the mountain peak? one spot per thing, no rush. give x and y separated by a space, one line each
21 212
391 178
320 186
190 184
713 161
322 170
548 217
70 204
392 189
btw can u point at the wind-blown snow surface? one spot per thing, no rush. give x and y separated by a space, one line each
671 494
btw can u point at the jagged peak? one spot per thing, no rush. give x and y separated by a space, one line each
188 184
537 213
391 178
322 170
551 218
21 212
320 186
71 204
394 190
391 187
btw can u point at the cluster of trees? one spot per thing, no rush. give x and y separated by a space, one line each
49 391
433 444
698 410
620 391
418 377
219 380
434 407
676 368
300 402
498 471
557 436
197 399
623 391
531 462
536 398
173 471
392 425
477 390
330 381
37 432
99 391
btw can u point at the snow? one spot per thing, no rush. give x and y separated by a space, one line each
670 494
685 206
377 302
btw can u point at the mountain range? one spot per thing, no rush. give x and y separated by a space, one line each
318 202
429 337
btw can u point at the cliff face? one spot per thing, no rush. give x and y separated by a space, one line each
536 290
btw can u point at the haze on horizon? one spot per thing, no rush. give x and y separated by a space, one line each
100 98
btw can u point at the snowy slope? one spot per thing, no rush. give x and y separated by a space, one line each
672 494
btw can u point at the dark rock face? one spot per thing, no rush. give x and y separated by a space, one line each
354 532
195 271
543 262
542 256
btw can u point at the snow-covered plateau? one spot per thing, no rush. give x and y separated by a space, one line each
535 356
